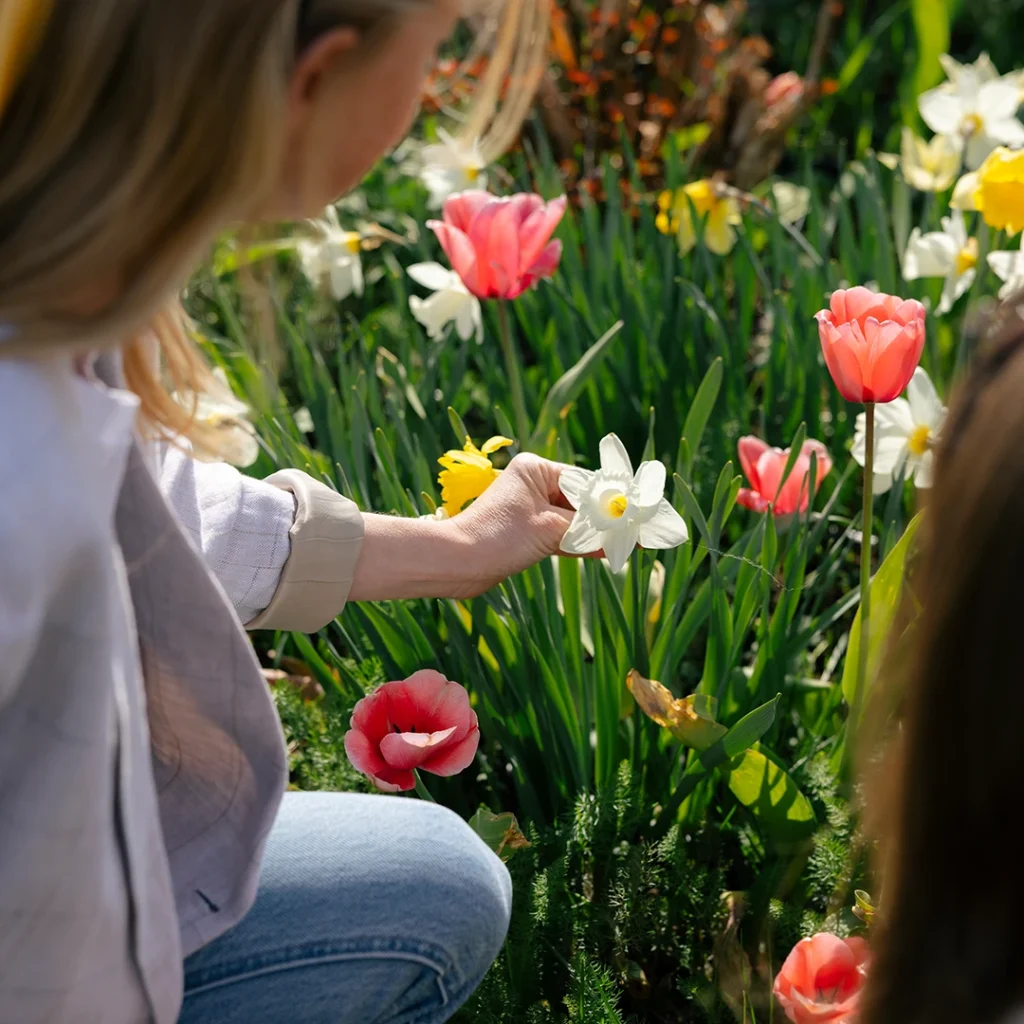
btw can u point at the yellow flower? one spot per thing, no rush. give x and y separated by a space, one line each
719 213
996 189
467 474
930 166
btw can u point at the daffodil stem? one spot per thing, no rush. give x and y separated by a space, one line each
421 790
512 369
865 561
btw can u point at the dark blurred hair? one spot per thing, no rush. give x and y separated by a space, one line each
949 948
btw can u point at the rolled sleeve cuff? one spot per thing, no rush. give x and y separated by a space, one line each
326 539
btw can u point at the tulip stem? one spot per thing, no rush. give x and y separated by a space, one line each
515 377
865 559
421 790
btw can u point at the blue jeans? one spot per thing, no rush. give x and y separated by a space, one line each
370 910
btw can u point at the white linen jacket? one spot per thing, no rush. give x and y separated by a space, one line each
141 760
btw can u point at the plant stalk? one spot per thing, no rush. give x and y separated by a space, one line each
515 377
421 790
865 558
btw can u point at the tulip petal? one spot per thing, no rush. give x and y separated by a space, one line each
408 750
536 231
461 254
547 262
454 758
750 450
752 500
495 238
428 702
364 755
649 483
666 529
581 538
370 717
614 457
461 208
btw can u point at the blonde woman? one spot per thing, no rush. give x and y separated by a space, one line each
149 870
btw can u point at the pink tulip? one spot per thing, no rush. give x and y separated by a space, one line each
424 721
763 467
500 247
822 979
872 343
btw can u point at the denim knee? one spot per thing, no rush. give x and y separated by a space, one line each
473 894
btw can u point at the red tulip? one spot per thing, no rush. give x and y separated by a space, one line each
784 88
822 979
763 467
500 247
872 343
424 721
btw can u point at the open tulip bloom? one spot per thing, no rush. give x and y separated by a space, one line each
616 509
764 466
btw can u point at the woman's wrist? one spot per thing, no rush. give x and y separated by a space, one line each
403 559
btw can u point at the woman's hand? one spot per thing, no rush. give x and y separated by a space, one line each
519 520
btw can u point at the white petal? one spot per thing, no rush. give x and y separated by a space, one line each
468 321
438 311
894 417
1009 131
575 484
998 100
963 194
941 111
618 543
978 148
955 226
615 458
931 255
890 453
881 483
649 484
1003 264
924 400
925 470
665 529
955 286
433 276
581 538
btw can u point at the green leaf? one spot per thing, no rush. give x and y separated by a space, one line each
856 61
743 735
932 23
771 795
500 832
701 409
885 595
566 389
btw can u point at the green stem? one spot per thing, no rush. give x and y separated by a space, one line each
515 377
865 559
421 790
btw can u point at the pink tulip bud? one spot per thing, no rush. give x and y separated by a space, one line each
500 247
424 721
785 88
872 343
764 466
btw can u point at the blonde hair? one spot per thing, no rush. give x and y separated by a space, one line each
137 130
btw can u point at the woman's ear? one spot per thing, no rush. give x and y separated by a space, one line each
317 62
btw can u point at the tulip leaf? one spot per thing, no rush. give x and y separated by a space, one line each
932 24
500 832
700 410
566 389
885 598
743 735
771 795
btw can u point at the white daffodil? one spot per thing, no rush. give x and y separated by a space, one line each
219 410
792 202
948 253
451 300
617 509
331 258
1009 268
450 166
982 113
905 434
930 166
983 69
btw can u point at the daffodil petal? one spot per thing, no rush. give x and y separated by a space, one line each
665 529
574 484
581 538
494 444
650 484
618 545
614 457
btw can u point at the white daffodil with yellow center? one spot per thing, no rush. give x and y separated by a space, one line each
218 410
616 509
450 166
928 166
906 432
1008 266
948 253
981 113
331 257
451 301
983 69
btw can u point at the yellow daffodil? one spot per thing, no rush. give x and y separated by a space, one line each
930 166
467 474
996 189
719 213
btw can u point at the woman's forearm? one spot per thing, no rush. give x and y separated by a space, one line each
409 558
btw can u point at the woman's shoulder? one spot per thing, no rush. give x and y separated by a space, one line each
62 453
